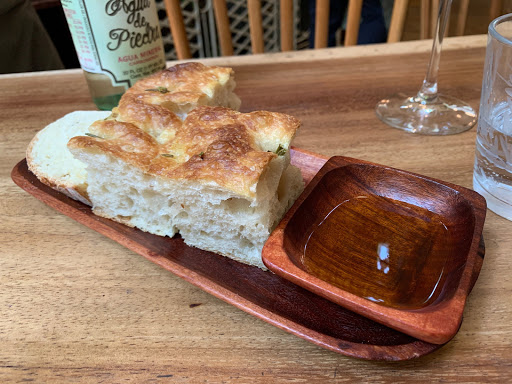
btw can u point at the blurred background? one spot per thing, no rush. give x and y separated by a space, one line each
200 26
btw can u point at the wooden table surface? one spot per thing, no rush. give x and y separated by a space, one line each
78 307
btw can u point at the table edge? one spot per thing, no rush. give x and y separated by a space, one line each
372 50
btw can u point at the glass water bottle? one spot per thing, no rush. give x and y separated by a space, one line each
117 42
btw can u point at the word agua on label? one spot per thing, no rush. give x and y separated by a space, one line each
128 58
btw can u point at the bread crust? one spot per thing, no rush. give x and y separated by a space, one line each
185 83
214 145
162 100
72 190
145 109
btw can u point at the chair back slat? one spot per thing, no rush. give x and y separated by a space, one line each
425 19
434 10
447 29
353 21
433 19
321 23
223 27
496 9
286 20
179 34
462 17
255 25
396 27
428 19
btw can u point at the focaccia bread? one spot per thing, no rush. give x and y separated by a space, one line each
50 160
222 179
178 89
176 157
155 103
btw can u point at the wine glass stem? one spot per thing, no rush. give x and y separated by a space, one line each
428 91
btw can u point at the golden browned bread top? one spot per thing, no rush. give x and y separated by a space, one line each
181 84
154 103
214 145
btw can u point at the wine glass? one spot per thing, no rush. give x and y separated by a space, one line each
428 112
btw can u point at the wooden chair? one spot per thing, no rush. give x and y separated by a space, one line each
496 9
286 24
428 18
353 21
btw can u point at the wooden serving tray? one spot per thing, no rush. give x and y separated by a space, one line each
260 293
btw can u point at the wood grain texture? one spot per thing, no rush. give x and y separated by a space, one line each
78 307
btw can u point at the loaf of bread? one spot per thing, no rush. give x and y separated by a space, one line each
166 161
222 179
178 89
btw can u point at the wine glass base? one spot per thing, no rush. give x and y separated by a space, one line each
445 116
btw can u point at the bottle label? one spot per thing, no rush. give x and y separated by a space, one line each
119 38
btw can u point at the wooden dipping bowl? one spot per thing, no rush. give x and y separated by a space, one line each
393 246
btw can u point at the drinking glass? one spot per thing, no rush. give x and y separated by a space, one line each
492 176
428 112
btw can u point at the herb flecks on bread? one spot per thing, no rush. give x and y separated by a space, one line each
178 90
